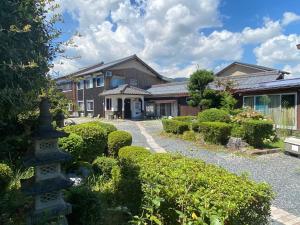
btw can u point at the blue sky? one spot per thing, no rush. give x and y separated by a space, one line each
176 36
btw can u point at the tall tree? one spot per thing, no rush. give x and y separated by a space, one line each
197 84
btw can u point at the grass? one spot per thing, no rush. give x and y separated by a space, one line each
277 144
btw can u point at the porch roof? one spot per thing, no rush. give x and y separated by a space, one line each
125 89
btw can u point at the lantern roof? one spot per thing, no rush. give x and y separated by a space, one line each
32 159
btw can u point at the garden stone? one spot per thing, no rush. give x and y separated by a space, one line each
236 143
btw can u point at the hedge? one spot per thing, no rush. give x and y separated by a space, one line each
215 132
118 139
73 144
104 166
185 118
6 175
94 138
256 131
132 151
214 115
108 127
174 126
178 190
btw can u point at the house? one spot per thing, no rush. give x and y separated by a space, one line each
114 89
266 90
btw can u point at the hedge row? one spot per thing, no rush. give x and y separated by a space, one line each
175 126
188 119
215 132
178 190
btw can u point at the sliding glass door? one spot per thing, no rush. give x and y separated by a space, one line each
280 107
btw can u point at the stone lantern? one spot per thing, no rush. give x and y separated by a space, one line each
47 183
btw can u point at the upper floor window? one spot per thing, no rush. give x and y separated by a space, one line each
67 86
89 83
116 81
80 85
99 81
133 82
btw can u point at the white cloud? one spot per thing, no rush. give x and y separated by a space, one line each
289 17
166 34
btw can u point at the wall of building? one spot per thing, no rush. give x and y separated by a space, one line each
237 70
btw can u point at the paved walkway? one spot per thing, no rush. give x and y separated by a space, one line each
279 170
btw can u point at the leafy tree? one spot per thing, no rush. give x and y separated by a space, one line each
197 85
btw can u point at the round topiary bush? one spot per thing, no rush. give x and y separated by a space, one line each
214 115
106 126
73 144
133 150
117 140
94 138
5 176
104 166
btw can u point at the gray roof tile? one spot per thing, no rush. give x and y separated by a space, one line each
169 88
125 89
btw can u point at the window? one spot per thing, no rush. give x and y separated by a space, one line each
150 109
108 104
80 106
249 102
89 83
80 85
90 105
116 81
99 82
67 86
70 107
133 82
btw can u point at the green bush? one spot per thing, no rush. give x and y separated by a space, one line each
256 131
189 135
179 190
214 115
185 118
73 144
237 131
174 126
116 140
132 151
104 166
195 126
94 138
108 127
215 132
5 176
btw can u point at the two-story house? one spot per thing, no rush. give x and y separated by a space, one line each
112 90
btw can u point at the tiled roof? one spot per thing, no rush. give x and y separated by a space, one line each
169 88
249 81
104 66
125 89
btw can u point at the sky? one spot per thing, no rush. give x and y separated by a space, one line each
176 37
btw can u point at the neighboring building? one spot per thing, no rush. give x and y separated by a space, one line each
113 89
265 90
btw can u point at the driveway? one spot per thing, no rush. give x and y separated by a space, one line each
281 171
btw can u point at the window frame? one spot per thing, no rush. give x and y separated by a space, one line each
116 77
101 77
81 82
67 90
90 81
79 109
87 104
108 104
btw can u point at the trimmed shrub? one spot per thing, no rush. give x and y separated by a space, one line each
215 132
5 176
127 151
94 138
107 126
175 126
237 131
104 166
256 131
195 126
214 115
118 139
189 135
73 144
178 190
185 118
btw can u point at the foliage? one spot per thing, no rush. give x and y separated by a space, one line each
215 132
256 131
104 166
178 190
197 84
189 135
185 118
237 131
247 114
108 127
132 150
5 176
195 126
118 139
94 138
175 126
73 144
214 115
